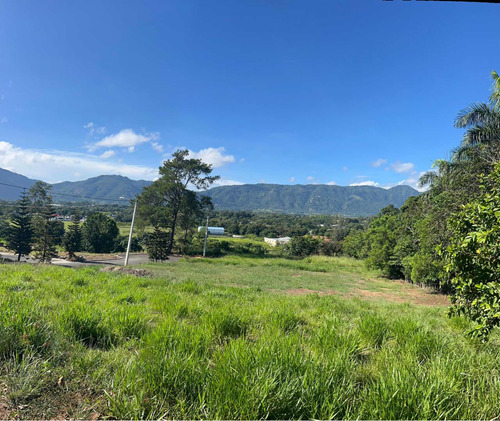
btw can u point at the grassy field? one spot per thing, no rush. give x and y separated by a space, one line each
236 338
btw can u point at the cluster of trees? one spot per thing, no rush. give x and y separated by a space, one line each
268 224
34 228
171 208
120 212
449 236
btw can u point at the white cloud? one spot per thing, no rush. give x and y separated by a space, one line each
366 183
379 162
225 182
126 138
94 130
54 166
213 156
4 120
412 181
310 178
131 149
402 167
292 180
331 183
157 147
107 154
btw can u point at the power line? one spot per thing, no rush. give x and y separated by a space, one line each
69 195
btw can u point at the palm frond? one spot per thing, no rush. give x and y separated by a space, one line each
495 94
481 135
428 178
466 153
477 114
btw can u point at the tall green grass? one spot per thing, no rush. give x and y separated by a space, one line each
175 345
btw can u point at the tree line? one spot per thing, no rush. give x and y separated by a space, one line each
33 227
449 236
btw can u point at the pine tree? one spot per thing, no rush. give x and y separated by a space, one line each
21 231
43 212
157 245
72 240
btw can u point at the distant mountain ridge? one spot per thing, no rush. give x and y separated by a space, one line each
103 187
107 187
15 179
298 199
309 198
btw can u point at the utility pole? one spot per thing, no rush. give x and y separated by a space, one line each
205 242
130 235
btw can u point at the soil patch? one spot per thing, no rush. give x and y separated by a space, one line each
408 294
128 271
305 291
428 298
4 407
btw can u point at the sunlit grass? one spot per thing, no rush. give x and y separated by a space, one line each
222 339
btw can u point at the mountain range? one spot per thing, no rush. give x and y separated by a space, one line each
298 199
309 198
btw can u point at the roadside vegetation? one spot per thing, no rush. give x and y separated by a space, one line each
448 237
237 338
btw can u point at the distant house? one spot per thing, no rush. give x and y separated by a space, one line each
57 217
277 241
213 230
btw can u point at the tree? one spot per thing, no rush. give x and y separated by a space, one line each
481 141
4 228
302 246
157 244
99 233
382 237
192 209
72 240
44 224
161 202
21 231
473 258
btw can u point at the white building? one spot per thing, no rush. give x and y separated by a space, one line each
277 241
213 230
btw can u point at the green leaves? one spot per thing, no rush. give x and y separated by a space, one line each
168 202
473 258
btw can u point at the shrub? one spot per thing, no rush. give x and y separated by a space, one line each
330 248
473 258
99 233
302 246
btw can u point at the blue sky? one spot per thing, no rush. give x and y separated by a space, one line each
276 91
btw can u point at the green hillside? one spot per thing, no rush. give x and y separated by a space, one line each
12 178
295 199
104 186
309 199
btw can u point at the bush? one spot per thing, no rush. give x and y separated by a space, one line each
122 243
330 248
100 233
302 246
473 258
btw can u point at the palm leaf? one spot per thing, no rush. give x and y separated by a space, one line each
477 114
